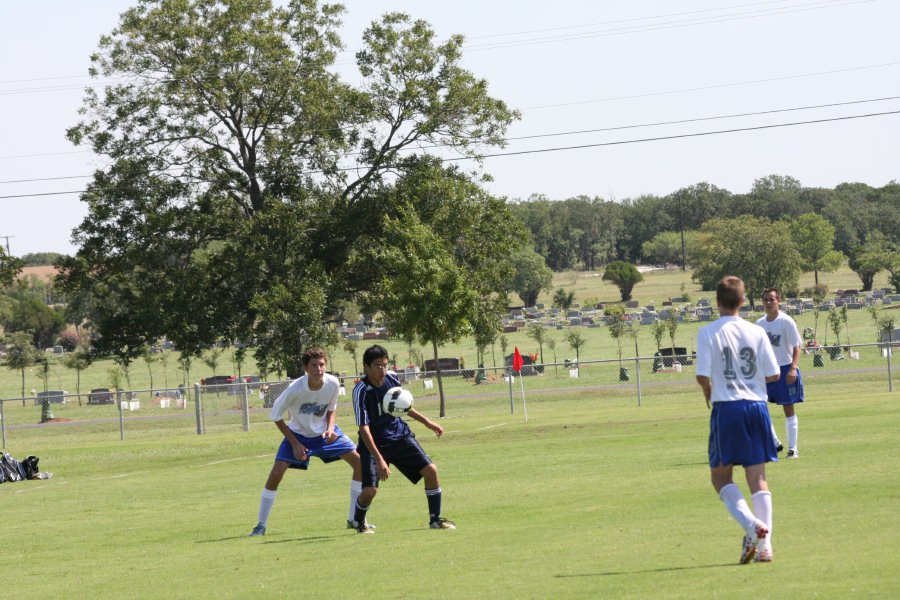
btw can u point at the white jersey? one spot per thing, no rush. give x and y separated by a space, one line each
783 335
307 407
737 357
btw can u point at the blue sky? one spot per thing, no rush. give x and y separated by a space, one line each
568 66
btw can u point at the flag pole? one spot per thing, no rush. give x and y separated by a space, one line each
517 368
524 407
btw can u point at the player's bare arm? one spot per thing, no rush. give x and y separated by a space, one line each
792 372
384 470
436 428
329 435
706 386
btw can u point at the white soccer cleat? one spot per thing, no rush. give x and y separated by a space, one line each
752 539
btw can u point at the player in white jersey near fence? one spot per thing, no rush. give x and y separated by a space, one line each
734 362
786 342
311 401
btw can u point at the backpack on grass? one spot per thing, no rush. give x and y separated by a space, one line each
15 470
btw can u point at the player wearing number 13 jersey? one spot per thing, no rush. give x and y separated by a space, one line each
734 362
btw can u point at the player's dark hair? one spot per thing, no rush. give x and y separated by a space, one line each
311 353
772 290
374 352
730 292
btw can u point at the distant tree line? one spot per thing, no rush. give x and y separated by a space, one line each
586 233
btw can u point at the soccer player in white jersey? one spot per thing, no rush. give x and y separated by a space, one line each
786 341
311 402
734 362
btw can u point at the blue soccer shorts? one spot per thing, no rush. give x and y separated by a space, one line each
740 433
315 446
781 392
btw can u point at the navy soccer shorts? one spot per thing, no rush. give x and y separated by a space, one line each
405 454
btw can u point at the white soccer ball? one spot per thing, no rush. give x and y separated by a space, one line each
397 400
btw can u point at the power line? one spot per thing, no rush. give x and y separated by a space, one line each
715 86
615 21
661 26
579 147
613 98
679 136
818 5
580 131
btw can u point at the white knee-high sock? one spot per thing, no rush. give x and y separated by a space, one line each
762 508
266 501
733 500
355 489
792 427
775 435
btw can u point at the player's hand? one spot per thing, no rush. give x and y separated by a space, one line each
300 452
708 405
384 471
329 436
791 376
437 429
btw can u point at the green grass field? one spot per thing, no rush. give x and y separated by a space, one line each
587 499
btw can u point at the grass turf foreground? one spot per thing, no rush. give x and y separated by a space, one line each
579 503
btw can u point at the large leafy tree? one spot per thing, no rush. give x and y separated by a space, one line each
774 196
756 250
20 354
868 259
10 266
624 275
40 321
424 291
531 276
813 237
666 247
243 172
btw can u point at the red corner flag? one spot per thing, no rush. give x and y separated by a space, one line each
517 360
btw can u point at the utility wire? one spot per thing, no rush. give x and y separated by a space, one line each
679 136
820 4
657 26
616 98
576 132
579 147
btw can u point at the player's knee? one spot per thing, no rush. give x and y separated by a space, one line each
367 495
430 473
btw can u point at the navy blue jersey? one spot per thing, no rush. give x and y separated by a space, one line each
384 427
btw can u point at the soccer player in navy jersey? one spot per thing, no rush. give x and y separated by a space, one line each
786 342
311 401
734 362
386 440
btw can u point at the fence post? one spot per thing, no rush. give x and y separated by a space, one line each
245 406
121 415
890 378
198 409
3 422
637 369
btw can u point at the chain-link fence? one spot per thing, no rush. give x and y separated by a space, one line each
483 392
